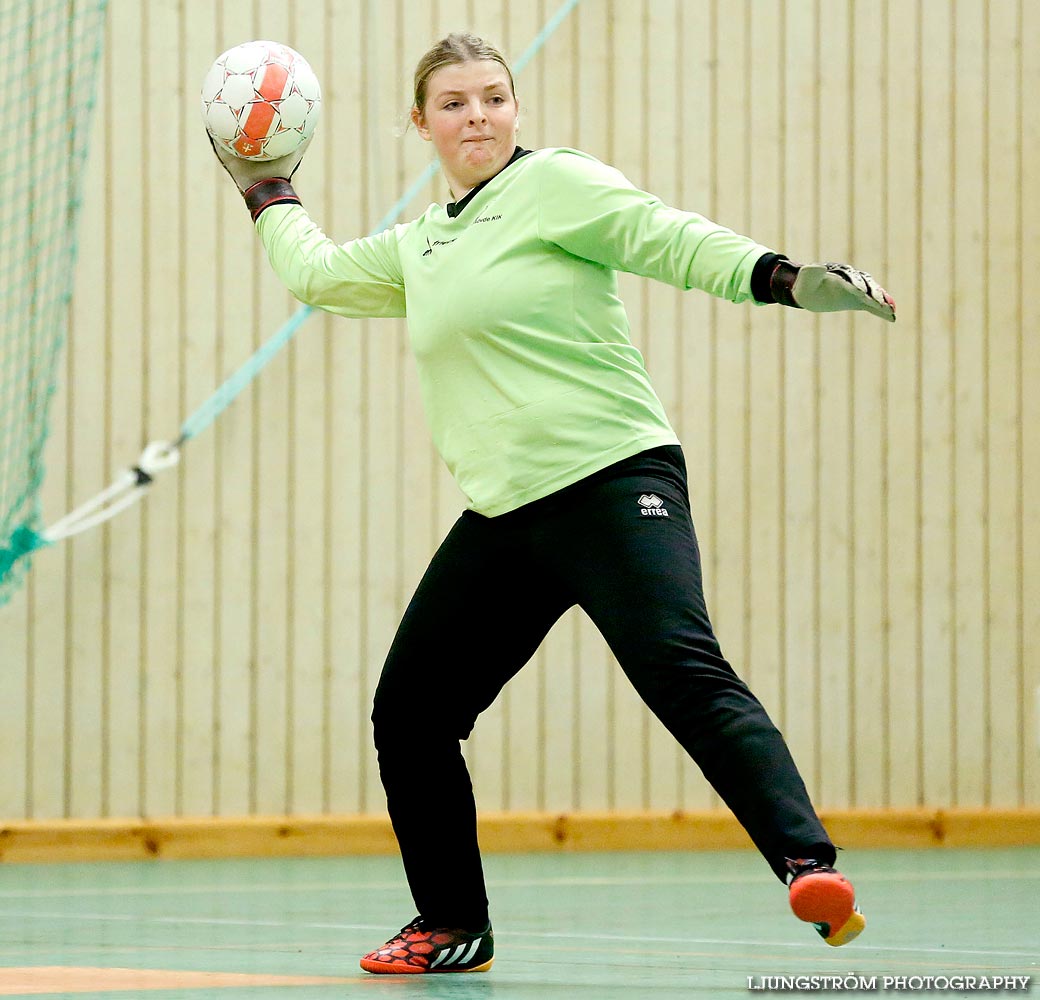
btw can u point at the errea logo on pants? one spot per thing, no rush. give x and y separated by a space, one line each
652 505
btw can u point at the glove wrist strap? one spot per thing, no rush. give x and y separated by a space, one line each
781 283
267 192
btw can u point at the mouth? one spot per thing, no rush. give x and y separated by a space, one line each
478 138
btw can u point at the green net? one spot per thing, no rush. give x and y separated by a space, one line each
49 51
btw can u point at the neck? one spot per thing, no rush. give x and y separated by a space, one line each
460 189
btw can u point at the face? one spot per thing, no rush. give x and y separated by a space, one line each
470 117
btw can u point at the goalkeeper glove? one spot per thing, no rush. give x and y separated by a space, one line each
263 183
830 288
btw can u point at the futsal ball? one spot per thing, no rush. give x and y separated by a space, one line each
260 100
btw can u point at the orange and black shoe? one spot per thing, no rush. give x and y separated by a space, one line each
825 898
420 948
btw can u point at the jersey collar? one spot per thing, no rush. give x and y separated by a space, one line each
455 208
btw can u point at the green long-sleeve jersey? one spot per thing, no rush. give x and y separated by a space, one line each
529 379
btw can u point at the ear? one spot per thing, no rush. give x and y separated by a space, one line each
419 121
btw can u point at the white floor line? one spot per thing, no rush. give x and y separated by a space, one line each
564 881
757 943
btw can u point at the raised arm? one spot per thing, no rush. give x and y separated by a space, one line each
360 278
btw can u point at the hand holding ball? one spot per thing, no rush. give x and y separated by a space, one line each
260 104
260 100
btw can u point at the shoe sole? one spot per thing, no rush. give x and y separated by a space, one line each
848 931
392 969
828 901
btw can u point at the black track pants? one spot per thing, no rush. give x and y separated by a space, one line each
620 545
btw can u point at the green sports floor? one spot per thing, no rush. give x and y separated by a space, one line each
568 926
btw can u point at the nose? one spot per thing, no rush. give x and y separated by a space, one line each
476 112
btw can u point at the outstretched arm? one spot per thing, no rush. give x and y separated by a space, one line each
591 210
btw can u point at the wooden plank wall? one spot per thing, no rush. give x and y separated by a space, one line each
865 495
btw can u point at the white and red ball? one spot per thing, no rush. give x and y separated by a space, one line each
260 100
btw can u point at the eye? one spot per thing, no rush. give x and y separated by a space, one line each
450 105
498 99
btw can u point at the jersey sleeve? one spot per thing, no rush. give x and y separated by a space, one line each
591 210
360 278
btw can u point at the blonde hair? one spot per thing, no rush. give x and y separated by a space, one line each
458 47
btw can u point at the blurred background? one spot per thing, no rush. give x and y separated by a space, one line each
865 494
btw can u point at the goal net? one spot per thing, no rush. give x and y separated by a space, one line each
50 51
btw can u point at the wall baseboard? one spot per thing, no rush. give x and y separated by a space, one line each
126 839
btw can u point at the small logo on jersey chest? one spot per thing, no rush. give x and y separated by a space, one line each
651 505
436 243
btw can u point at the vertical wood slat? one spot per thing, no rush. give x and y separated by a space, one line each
16 645
867 230
594 670
273 653
379 366
800 507
306 733
121 688
901 557
488 750
522 719
235 554
726 569
696 189
346 710
82 747
45 639
936 354
198 478
834 472
725 548
1004 352
662 309
488 753
1029 252
862 494
559 694
20 283
160 664
418 469
969 558
631 722
764 564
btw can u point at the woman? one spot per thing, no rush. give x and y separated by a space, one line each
544 413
